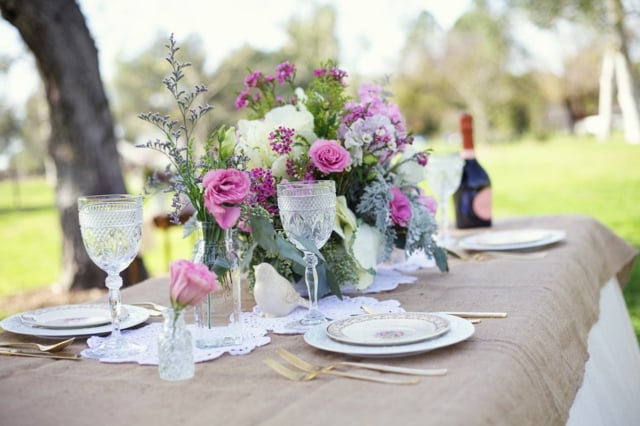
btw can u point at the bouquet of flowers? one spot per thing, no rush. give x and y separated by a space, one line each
208 178
362 144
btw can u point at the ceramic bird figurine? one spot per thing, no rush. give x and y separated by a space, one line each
273 293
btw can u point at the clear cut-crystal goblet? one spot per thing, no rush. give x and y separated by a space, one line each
444 173
111 228
308 210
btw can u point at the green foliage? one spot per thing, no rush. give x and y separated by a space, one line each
325 101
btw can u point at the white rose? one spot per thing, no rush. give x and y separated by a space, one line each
365 246
346 221
252 137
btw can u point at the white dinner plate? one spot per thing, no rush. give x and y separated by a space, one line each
385 329
14 324
71 316
512 240
459 329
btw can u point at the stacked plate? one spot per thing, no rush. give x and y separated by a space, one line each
512 240
72 320
389 334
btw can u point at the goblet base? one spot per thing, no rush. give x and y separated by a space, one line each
304 324
114 348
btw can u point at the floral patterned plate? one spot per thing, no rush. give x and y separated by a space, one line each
385 329
71 316
460 330
14 324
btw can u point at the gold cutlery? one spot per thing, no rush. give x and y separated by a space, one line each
474 317
42 348
477 314
18 352
303 376
304 365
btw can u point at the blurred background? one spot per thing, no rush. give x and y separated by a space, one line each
552 86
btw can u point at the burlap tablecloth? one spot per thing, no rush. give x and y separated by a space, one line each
524 369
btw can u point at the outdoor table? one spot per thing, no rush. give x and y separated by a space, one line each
566 353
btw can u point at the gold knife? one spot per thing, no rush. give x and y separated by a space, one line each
477 314
18 352
370 310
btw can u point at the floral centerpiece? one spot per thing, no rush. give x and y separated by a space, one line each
362 144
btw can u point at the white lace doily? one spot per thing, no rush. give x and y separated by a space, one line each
148 336
417 260
330 306
256 325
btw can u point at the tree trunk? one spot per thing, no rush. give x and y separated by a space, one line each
82 142
605 102
626 79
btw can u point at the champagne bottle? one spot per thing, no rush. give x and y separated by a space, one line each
472 199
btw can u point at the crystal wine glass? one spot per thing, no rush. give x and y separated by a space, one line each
308 210
111 227
444 173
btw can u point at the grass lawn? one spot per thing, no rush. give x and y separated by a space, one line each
561 175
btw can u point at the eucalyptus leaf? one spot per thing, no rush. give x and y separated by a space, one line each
309 246
440 255
263 233
333 284
289 251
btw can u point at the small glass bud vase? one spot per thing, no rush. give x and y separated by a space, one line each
175 348
217 317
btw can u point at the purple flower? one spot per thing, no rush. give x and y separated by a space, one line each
285 71
329 156
190 283
400 207
422 158
252 79
243 99
224 190
429 203
263 188
281 140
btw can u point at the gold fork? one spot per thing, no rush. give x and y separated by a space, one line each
310 375
304 365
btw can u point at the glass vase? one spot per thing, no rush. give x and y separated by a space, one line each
217 318
175 348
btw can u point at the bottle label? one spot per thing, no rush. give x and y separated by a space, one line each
482 204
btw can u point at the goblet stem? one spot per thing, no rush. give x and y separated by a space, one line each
313 316
444 219
113 283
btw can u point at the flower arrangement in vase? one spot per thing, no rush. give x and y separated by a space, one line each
189 284
210 178
362 144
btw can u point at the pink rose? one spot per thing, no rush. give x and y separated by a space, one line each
400 207
224 190
329 156
190 283
429 203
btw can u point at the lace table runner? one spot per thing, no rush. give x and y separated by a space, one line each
332 307
148 336
257 325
